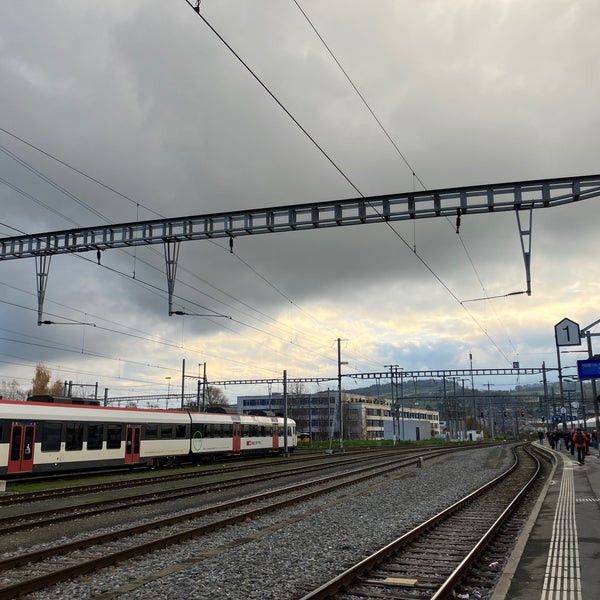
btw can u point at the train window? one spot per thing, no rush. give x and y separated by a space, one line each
51 433
74 436
166 431
151 431
180 431
95 434
15 449
113 436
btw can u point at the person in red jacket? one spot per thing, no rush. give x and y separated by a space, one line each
581 439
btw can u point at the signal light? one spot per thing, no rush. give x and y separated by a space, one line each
522 413
506 413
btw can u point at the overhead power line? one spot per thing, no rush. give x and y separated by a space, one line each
196 8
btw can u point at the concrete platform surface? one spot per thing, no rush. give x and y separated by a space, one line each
556 557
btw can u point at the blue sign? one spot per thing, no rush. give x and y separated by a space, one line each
588 369
559 418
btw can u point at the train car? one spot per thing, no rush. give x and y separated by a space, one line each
50 436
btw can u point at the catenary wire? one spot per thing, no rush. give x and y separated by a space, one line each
401 154
60 188
196 9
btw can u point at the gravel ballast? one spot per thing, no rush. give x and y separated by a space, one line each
287 553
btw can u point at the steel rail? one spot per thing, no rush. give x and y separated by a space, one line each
459 572
344 580
108 558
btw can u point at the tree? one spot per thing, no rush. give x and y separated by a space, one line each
40 380
297 397
215 396
41 383
11 390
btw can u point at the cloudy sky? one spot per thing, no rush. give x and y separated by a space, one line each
123 111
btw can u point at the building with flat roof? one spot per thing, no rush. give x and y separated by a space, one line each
362 417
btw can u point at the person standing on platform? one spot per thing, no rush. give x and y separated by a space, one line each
581 439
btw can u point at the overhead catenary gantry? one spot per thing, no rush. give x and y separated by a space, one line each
521 197
428 374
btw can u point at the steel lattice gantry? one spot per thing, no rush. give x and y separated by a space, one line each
429 374
520 197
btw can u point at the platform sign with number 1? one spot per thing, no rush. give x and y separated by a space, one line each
567 333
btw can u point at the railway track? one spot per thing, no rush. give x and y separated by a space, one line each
433 559
35 570
26 519
125 480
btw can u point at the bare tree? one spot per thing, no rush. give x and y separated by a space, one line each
215 396
296 397
12 390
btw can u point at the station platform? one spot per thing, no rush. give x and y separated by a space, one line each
557 555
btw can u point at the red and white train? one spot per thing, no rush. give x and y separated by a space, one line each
62 434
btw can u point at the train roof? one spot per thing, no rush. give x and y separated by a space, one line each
31 410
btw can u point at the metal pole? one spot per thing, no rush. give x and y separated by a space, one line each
446 407
310 429
473 391
402 400
394 405
339 351
285 414
204 390
492 419
182 383
545 381
560 386
464 410
594 394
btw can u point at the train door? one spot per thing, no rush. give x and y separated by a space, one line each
275 437
132 443
20 454
237 438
